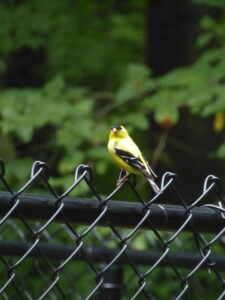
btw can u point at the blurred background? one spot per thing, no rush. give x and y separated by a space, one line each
69 70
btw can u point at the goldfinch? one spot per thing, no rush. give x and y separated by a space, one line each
127 154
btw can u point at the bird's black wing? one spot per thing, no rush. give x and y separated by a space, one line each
132 160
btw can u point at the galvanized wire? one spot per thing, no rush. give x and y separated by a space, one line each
57 247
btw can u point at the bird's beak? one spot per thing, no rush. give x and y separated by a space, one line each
114 130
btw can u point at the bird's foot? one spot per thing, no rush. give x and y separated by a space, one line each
121 180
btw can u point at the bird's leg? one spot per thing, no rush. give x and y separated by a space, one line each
122 179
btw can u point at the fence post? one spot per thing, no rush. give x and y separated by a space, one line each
112 283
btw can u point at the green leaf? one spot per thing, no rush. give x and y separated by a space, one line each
137 71
136 81
55 86
83 107
220 152
204 39
207 22
137 120
166 114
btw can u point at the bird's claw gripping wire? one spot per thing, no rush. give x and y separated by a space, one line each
123 176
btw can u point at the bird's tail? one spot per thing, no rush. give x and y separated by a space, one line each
154 186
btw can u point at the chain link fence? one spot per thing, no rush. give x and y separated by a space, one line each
53 246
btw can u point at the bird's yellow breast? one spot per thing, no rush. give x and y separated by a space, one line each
123 165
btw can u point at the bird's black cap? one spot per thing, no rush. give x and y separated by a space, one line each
118 127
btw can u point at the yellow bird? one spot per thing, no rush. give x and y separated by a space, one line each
127 154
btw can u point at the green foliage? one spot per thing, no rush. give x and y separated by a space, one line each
94 77
78 43
74 117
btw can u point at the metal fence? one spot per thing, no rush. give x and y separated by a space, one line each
53 246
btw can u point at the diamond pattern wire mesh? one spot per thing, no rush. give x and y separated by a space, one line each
55 247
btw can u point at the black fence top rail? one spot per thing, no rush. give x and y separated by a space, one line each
120 213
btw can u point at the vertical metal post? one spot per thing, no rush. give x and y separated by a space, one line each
112 283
